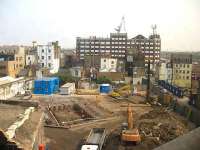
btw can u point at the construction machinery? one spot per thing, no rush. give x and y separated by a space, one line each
95 139
122 24
128 133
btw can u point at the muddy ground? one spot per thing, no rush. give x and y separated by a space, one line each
156 125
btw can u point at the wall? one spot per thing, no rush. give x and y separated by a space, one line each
108 65
182 75
30 59
11 89
76 72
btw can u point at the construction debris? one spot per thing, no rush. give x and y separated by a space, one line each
23 117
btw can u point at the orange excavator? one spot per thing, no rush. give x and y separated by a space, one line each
130 134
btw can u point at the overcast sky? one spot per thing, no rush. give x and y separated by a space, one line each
22 21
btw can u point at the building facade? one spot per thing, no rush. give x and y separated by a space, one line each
165 71
181 69
117 44
108 65
49 56
195 77
12 60
134 59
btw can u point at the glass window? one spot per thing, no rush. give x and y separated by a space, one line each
42 50
42 57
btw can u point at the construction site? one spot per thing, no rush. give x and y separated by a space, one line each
125 121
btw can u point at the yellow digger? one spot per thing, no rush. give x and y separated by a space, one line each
128 133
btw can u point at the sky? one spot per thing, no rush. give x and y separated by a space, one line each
24 21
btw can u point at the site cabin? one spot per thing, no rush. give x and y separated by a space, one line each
95 139
67 89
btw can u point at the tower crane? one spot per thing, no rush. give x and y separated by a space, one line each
122 24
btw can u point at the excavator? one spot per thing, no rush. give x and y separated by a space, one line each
128 133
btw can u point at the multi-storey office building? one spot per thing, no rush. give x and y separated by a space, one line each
181 69
117 44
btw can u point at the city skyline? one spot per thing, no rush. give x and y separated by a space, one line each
50 20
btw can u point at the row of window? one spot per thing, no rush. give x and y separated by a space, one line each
49 65
151 52
183 77
17 66
49 57
18 58
116 42
183 65
183 71
49 50
151 56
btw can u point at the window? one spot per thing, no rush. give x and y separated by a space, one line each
104 60
42 57
180 71
49 57
176 71
76 73
184 66
188 71
183 71
188 65
112 62
49 64
29 58
49 51
187 77
42 64
42 50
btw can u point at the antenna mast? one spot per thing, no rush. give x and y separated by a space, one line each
154 27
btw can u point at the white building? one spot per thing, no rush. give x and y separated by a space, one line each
30 59
76 71
165 71
49 56
108 65
10 87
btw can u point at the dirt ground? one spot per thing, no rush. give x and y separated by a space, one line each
27 132
156 125
9 114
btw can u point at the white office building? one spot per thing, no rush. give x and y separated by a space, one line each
48 56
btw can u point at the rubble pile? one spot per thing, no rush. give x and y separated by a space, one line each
159 126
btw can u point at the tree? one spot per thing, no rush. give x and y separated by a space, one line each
103 79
